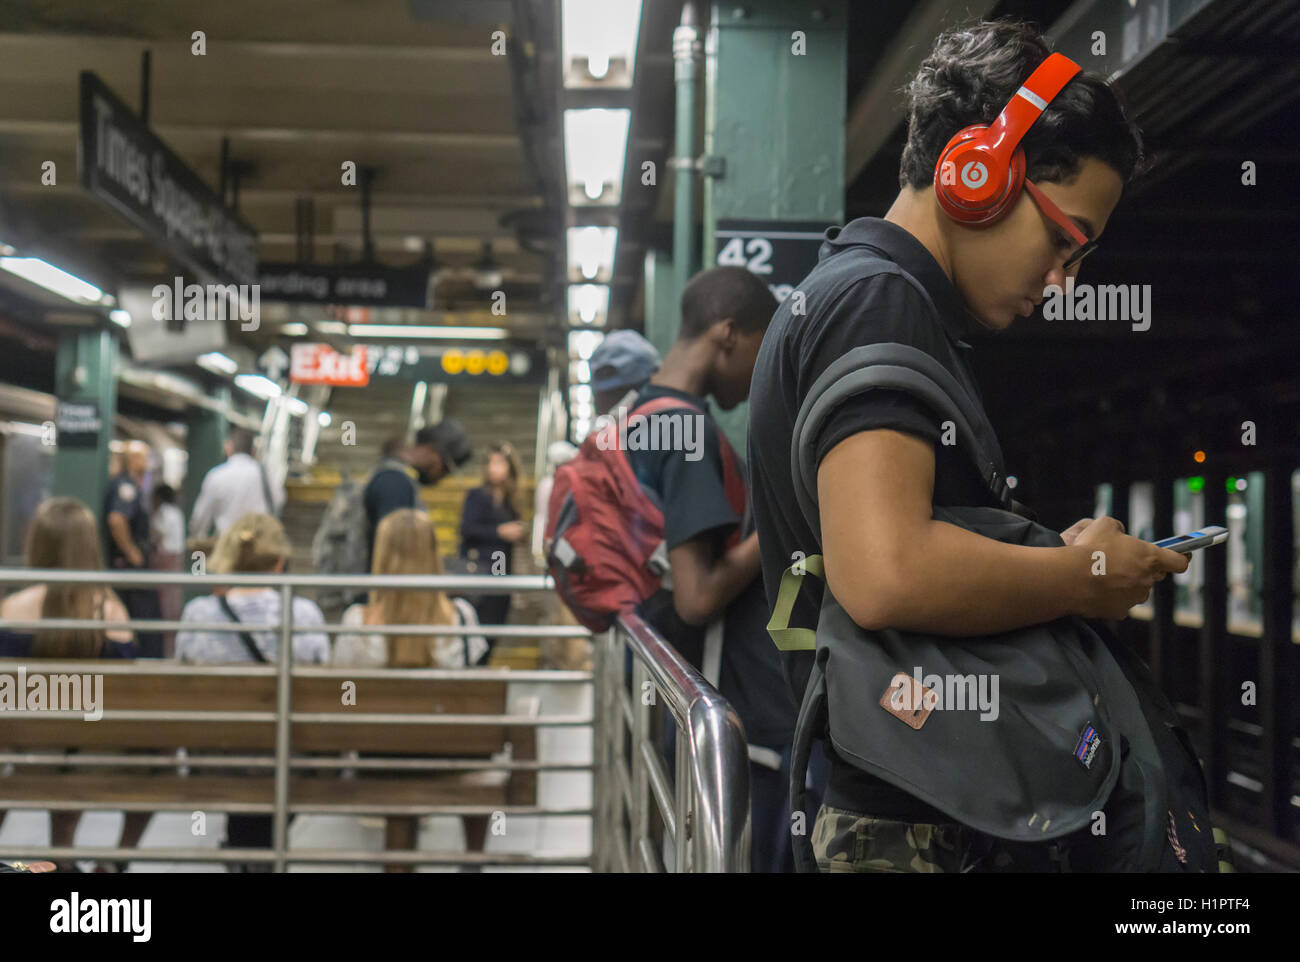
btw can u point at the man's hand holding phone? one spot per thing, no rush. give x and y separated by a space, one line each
1131 567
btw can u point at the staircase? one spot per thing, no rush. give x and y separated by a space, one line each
490 413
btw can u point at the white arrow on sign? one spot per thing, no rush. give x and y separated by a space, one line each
273 362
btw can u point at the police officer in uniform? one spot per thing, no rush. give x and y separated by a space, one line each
126 517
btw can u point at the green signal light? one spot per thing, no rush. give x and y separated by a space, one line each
1231 485
1196 484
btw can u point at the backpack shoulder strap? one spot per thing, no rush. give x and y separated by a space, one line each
733 480
655 405
900 367
244 636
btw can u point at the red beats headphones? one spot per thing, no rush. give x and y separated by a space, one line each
980 173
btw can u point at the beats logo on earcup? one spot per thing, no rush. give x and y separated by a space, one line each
974 174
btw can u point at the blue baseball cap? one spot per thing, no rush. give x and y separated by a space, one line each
624 359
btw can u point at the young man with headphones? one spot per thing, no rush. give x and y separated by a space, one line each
1014 162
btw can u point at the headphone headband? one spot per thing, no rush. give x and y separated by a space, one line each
1028 104
979 175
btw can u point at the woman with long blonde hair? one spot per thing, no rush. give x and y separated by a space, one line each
406 544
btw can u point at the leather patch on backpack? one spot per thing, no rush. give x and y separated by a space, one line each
908 700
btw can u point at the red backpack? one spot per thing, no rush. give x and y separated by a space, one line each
605 534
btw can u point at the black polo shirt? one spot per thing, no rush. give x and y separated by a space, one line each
847 306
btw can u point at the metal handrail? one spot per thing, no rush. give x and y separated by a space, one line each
704 810
284 716
706 819
501 584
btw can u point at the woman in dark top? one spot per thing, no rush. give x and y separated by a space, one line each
490 527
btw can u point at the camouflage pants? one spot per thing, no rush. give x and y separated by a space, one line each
848 842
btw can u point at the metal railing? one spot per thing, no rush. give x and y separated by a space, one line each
700 817
281 762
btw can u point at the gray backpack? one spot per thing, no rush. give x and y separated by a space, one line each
340 545
1080 728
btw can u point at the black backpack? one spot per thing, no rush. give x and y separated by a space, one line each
1081 731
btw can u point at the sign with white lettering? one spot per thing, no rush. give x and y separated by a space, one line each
321 364
782 253
78 424
125 165
354 284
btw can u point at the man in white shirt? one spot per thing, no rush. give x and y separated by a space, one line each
233 489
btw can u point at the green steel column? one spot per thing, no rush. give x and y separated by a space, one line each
662 301
85 371
775 103
203 446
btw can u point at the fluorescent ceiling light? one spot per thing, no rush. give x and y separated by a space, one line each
579 372
297 406
331 327
597 35
580 394
583 343
591 253
293 329
46 275
119 316
428 331
588 304
595 146
217 363
257 385
324 419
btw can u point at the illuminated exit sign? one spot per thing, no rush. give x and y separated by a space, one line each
321 364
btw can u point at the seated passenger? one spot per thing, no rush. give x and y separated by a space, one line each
255 544
63 534
406 544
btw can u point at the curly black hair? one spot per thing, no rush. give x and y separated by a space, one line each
971 73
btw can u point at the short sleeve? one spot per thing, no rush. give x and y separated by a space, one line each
190 646
691 488
312 647
358 650
881 309
123 498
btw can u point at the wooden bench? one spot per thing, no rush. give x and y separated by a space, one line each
391 700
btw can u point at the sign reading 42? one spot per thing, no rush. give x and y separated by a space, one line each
780 252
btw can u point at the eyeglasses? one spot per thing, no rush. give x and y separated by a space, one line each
1057 216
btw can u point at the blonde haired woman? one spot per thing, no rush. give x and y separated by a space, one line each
406 544
255 544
